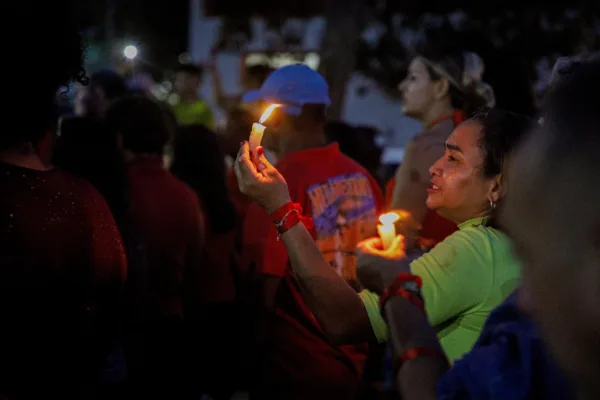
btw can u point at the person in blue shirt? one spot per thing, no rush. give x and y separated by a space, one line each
509 361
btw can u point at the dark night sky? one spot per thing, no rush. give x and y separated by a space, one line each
160 27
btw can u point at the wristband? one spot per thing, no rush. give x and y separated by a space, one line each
411 354
278 215
407 286
287 216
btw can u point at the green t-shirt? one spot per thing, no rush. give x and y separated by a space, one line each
197 113
464 278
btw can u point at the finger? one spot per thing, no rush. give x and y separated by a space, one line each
244 161
397 243
374 244
261 160
245 171
368 244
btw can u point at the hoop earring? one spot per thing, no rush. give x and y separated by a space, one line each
492 204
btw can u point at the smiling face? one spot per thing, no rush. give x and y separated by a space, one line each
459 190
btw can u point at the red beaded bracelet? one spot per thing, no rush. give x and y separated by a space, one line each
411 354
407 286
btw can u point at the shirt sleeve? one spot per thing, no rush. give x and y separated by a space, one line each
371 302
456 274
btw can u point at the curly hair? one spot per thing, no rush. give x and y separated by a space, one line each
52 58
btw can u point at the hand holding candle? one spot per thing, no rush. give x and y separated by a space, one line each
258 129
387 230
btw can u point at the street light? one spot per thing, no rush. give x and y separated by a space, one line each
130 52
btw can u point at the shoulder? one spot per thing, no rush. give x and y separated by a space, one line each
473 245
79 187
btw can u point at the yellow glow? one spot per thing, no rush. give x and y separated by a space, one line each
268 112
389 218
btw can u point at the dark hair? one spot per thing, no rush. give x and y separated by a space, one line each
451 59
58 40
190 69
199 162
501 132
260 72
87 149
141 123
112 84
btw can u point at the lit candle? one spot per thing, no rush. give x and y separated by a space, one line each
256 136
387 230
258 129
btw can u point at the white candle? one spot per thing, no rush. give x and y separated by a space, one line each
258 129
256 136
387 230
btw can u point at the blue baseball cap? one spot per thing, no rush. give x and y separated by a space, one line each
292 86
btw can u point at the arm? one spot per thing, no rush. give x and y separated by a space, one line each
336 306
409 328
339 310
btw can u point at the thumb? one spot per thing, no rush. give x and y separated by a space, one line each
261 160
397 243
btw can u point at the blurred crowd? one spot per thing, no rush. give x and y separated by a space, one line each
146 254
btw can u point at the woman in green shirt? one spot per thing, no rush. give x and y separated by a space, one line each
464 277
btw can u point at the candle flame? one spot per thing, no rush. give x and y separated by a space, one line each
389 218
265 116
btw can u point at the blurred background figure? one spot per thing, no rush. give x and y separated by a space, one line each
104 87
190 109
212 326
252 79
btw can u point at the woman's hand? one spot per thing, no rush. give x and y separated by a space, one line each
260 180
376 268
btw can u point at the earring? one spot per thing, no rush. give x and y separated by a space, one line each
492 204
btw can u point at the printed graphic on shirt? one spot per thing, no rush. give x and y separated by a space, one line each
344 212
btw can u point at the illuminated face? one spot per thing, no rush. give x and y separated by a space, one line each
459 191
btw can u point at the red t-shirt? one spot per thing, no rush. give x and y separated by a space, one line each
240 201
216 281
168 217
344 201
61 255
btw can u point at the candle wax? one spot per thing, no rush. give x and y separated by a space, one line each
256 136
387 233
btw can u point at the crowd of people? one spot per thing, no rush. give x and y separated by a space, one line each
144 255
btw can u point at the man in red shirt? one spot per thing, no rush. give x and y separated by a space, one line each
298 362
